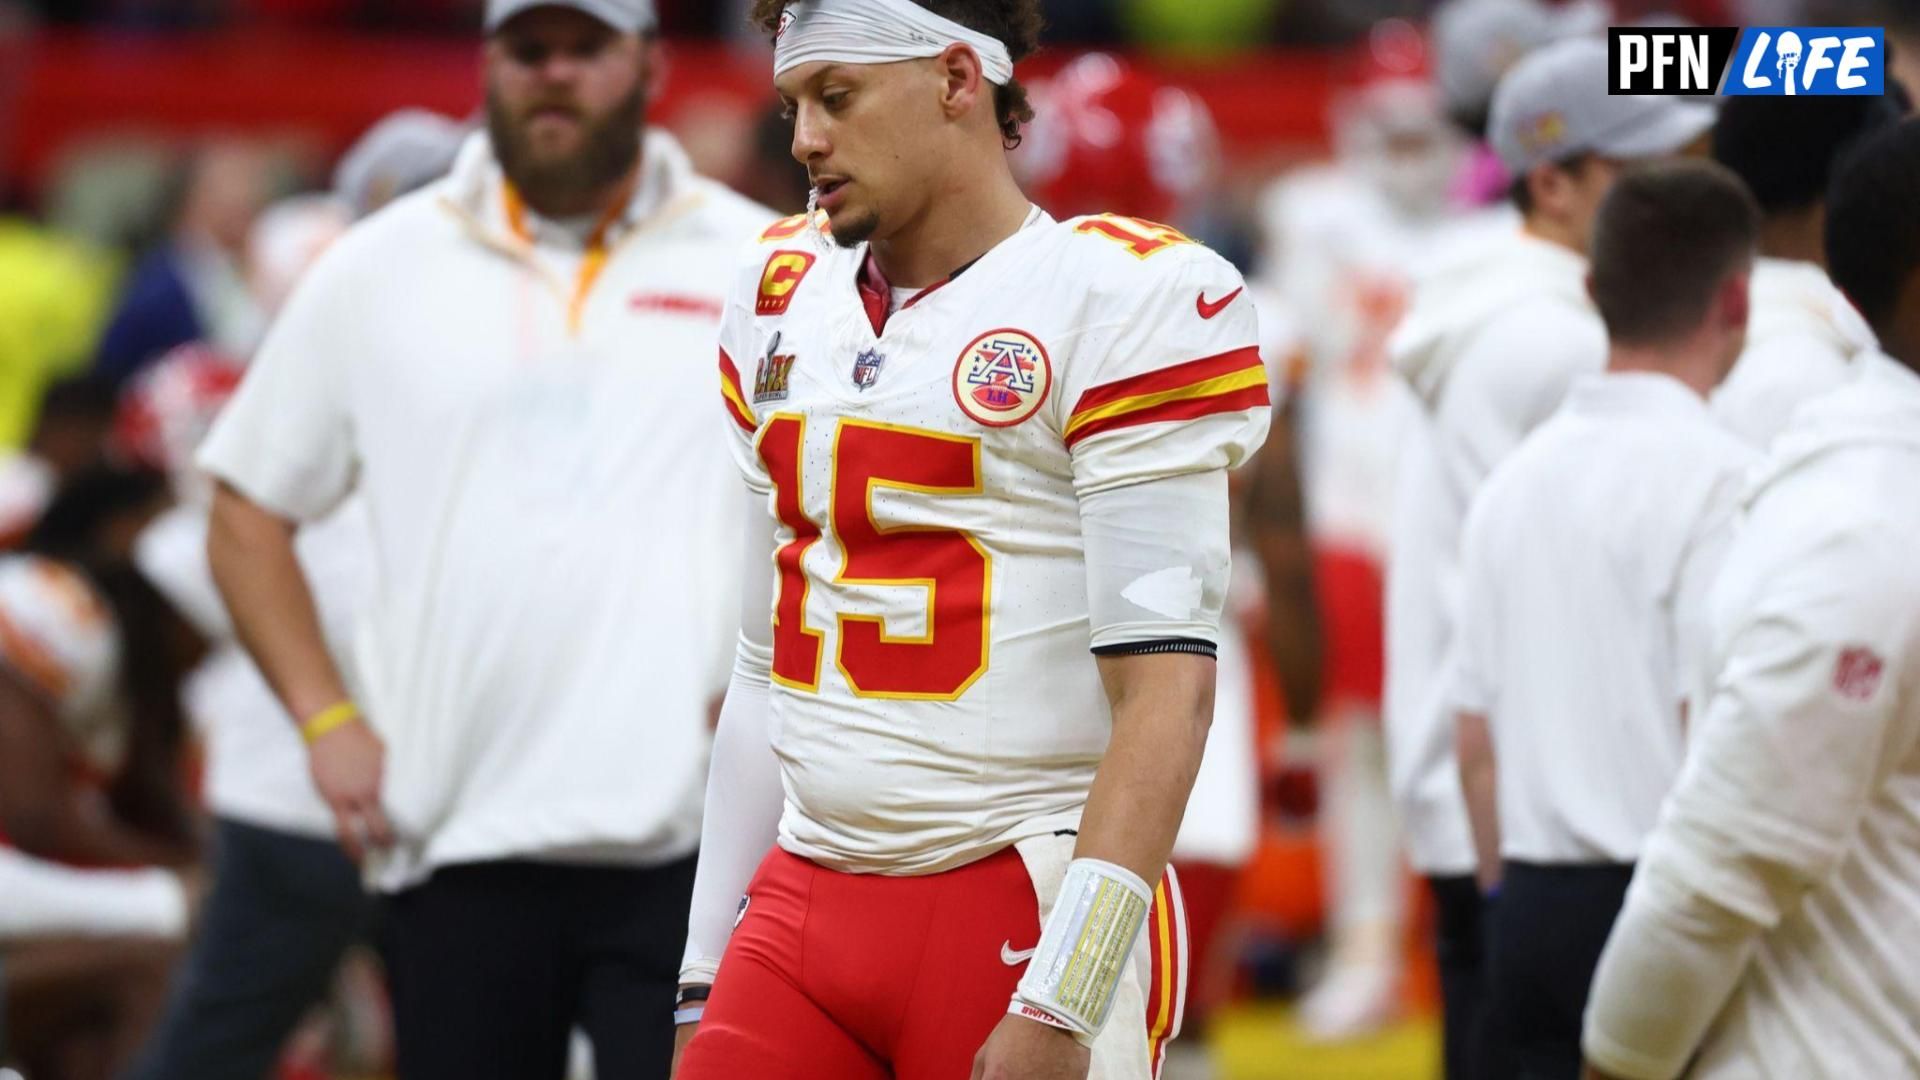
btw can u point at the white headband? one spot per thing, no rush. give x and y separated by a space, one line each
877 32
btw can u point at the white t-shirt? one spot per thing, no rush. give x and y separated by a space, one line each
1496 335
1584 570
554 599
1771 924
1802 334
934 698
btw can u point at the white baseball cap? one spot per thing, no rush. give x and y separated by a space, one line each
1553 106
626 16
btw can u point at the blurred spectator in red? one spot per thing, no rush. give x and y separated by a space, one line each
190 287
1106 137
86 949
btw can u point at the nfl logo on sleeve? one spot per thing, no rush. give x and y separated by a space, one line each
1856 675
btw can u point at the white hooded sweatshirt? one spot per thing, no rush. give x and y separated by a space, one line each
1494 339
1771 926
1799 340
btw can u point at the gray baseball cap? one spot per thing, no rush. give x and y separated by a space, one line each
626 16
1476 41
1553 105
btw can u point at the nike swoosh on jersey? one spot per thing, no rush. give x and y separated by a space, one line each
1209 310
1012 957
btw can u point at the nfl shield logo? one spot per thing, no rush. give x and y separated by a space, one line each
866 368
1856 675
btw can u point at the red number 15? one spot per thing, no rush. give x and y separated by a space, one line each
955 571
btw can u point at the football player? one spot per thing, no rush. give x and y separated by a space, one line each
988 452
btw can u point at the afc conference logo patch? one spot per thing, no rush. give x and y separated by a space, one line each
783 274
1746 61
1002 378
1856 675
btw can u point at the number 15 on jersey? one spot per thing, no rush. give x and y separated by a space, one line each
951 565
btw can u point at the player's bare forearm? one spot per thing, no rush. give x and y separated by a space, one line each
1277 517
1162 706
1479 783
266 591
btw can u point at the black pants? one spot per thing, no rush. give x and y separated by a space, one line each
1462 950
494 964
283 910
1546 934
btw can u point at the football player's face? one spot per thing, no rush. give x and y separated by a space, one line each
866 134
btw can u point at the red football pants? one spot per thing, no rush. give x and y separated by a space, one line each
834 976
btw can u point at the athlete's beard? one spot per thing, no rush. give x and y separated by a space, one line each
610 146
856 228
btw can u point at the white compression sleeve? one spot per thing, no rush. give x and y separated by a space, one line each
744 796
46 899
1158 554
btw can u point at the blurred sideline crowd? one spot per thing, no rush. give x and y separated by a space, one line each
127 708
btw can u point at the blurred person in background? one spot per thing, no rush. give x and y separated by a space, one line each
407 150
83 951
1804 332
191 287
1474 42
68 438
54 295
1108 137
285 902
1764 932
1585 566
1346 241
1493 339
513 368
771 176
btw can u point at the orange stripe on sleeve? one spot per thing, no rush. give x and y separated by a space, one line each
1225 383
730 393
1192 408
1169 378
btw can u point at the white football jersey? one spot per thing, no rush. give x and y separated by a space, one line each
935 698
59 636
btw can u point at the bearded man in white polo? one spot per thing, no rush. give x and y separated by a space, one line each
514 368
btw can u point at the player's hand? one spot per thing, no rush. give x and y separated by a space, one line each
1592 1072
1022 1049
347 764
682 1035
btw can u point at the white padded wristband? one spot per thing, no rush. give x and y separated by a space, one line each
1075 970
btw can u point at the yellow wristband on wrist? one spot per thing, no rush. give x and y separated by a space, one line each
328 720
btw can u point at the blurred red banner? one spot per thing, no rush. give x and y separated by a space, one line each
328 88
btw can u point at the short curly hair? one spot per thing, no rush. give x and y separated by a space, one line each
1015 22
